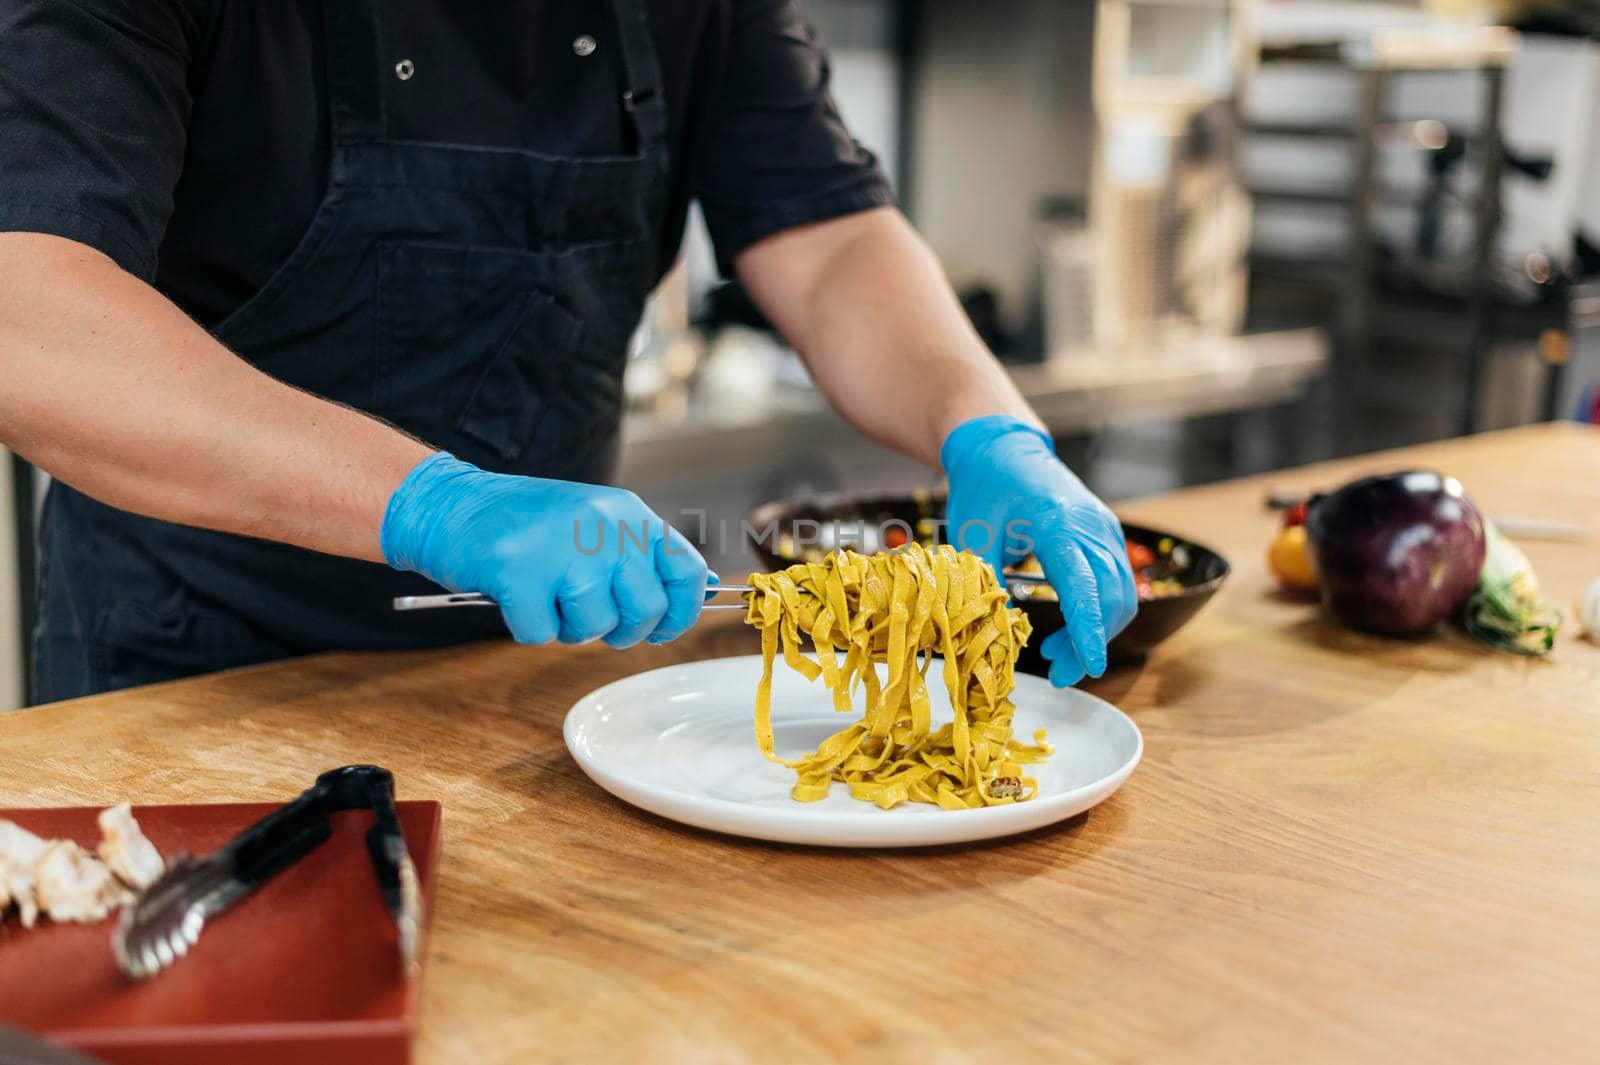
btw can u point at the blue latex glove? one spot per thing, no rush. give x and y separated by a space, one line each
1010 497
549 552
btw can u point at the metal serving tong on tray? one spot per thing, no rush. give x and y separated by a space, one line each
166 918
434 602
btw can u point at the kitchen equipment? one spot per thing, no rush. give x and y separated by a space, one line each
921 515
449 599
1157 618
1068 268
680 742
433 602
166 918
305 971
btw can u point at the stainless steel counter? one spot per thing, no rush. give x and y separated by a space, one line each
1207 376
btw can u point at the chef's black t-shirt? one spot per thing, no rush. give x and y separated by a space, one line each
189 139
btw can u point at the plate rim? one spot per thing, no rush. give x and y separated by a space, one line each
989 822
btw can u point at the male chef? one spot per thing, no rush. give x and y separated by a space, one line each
310 304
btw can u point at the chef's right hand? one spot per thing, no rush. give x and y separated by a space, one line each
553 554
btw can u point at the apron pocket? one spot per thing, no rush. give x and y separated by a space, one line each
514 402
473 345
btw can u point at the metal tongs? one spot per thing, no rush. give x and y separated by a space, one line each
166 918
434 602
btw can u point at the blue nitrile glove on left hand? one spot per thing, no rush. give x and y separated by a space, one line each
568 561
1010 497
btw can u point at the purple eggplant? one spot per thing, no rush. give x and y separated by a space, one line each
1396 554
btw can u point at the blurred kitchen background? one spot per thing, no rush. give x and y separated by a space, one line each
1209 238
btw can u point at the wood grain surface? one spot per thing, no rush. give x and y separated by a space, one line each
1338 848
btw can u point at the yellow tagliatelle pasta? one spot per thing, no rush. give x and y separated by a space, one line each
901 609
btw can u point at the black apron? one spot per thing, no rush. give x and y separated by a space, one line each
479 297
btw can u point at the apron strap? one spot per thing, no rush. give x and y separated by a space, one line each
352 37
642 95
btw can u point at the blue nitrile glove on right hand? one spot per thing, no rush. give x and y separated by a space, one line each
1010 497
568 561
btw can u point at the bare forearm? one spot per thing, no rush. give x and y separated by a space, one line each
865 303
112 389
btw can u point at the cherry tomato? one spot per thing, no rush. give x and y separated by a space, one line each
1139 556
894 537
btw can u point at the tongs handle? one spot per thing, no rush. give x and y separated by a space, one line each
273 848
449 599
287 834
386 845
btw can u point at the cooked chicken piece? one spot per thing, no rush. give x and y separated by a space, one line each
19 851
125 849
65 881
1005 788
18 846
21 887
73 885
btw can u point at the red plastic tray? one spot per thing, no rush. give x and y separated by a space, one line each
305 970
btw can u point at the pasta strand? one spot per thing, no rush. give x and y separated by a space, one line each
900 609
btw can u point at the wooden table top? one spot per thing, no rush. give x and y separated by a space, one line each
1338 848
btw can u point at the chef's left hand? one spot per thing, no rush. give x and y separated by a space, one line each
1010 497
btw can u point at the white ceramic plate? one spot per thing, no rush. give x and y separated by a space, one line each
680 742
